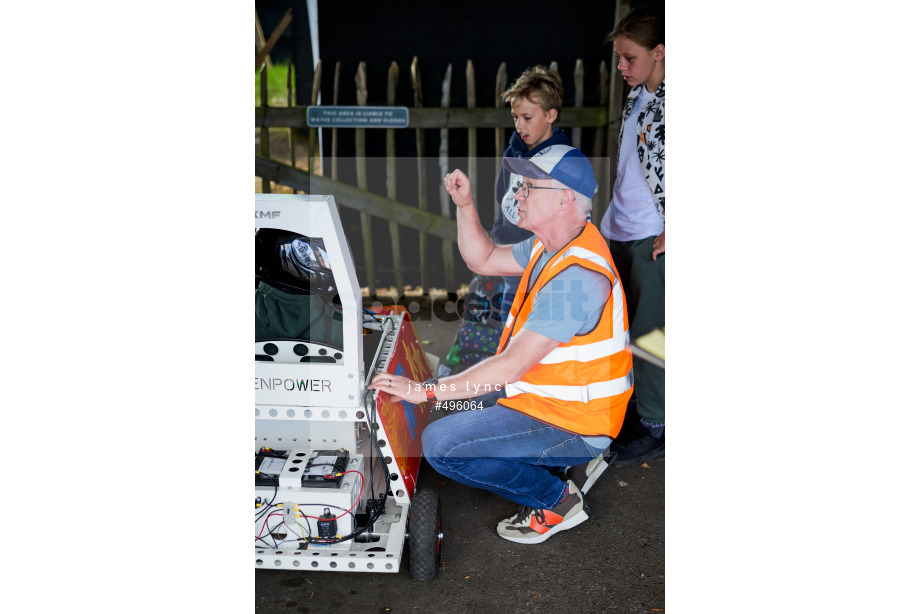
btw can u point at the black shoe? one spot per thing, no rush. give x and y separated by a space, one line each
641 449
630 426
584 476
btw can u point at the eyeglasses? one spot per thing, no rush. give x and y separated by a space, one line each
527 187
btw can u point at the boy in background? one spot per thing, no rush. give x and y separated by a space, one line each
536 102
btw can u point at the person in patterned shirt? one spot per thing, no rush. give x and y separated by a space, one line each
634 221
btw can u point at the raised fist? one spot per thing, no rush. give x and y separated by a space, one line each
457 185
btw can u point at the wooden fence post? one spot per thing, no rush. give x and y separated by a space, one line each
603 93
314 160
392 78
290 103
600 138
579 99
361 164
447 249
501 84
471 132
616 101
335 131
264 136
422 183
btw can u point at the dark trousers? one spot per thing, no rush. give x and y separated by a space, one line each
643 283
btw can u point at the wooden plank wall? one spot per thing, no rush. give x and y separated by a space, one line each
438 115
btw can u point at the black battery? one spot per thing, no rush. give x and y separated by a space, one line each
325 469
269 464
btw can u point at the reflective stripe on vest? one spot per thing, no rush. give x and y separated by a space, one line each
581 386
581 394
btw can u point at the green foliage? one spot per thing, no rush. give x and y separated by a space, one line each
277 85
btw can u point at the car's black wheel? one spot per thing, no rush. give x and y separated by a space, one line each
425 535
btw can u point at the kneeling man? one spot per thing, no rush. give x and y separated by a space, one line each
563 360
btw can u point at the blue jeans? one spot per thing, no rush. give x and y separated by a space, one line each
505 452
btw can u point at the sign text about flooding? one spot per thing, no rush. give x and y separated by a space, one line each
357 117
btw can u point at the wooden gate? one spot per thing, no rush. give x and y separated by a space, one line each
406 237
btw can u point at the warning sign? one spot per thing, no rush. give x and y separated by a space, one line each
357 117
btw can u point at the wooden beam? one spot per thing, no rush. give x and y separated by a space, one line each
433 117
420 165
290 103
501 84
367 236
447 249
601 167
273 39
335 131
600 134
579 99
260 40
617 90
488 118
354 198
392 80
314 156
264 136
471 146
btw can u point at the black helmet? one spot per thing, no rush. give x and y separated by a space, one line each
294 262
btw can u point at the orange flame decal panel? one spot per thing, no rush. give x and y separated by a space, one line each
402 421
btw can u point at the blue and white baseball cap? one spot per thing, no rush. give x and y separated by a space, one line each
565 164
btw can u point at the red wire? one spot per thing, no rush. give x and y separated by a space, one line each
266 522
352 505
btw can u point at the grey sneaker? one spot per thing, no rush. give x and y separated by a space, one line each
586 475
532 526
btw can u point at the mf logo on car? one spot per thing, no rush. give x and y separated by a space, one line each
269 214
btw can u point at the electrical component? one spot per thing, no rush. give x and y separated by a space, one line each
375 507
326 526
288 509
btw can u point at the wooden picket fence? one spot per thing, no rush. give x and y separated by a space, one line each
417 214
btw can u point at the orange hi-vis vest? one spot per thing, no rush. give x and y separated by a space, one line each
581 386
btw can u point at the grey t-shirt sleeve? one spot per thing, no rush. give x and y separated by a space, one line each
522 250
571 303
